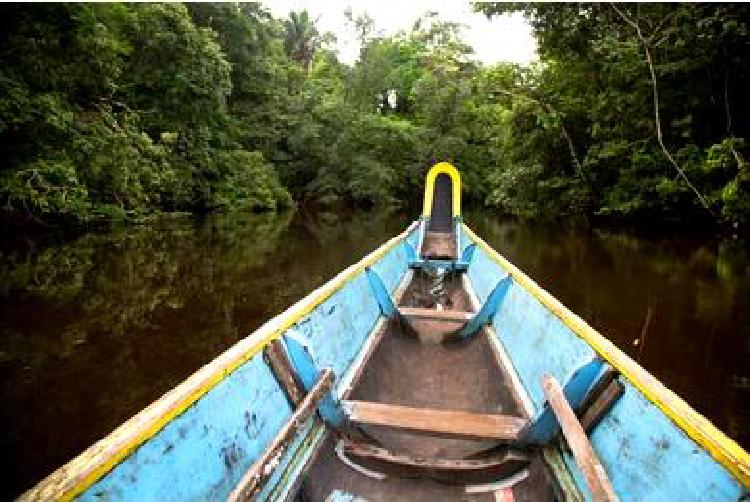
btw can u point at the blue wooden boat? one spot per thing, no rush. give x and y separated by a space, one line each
431 368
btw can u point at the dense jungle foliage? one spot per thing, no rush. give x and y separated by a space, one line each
124 110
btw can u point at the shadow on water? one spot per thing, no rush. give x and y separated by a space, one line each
93 330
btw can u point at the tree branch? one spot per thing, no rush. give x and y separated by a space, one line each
737 157
657 119
571 147
661 24
625 18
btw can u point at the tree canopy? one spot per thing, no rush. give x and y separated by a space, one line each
649 101
124 110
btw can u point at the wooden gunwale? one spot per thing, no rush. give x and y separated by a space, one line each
77 475
721 447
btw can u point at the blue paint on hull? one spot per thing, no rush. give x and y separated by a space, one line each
652 459
647 457
203 453
337 329
387 306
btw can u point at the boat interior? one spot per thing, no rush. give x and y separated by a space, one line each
432 409
431 368
412 367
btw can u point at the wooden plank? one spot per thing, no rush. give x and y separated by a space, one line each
434 314
456 471
438 246
253 480
584 454
599 408
607 377
441 423
276 358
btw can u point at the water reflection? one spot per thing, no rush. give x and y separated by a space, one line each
679 306
93 330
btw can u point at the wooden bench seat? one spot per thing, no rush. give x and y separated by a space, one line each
443 423
439 246
434 314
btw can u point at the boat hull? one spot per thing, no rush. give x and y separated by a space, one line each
646 454
198 440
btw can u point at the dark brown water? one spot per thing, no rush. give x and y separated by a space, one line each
93 330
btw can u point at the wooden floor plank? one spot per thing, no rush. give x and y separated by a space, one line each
441 423
438 246
452 471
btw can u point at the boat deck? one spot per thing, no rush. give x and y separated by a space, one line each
404 370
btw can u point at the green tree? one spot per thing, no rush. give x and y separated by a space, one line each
652 93
301 37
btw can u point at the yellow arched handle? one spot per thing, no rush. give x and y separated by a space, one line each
429 189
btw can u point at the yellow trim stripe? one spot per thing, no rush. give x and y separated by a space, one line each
429 189
83 471
719 445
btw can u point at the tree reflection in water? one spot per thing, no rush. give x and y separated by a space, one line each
93 330
695 339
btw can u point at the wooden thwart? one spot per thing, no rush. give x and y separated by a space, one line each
434 314
484 470
458 424
584 454
253 480
608 376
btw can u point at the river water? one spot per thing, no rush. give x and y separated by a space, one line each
94 329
